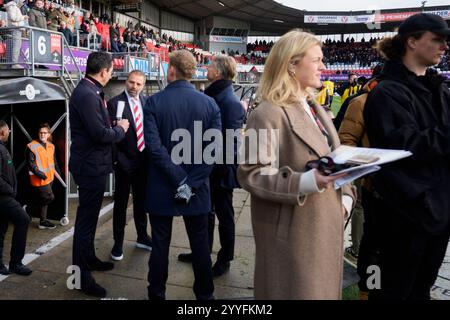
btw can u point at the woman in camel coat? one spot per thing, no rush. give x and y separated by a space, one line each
297 216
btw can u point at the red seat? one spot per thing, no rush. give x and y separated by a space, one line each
2 49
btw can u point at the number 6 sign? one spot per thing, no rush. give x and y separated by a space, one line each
47 47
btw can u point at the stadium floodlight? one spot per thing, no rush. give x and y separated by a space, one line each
279 21
221 3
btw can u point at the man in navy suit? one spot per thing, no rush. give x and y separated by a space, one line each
179 111
223 178
130 165
91 162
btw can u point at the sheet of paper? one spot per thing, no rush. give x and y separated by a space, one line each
343 153
356 174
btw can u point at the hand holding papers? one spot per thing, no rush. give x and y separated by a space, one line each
359 162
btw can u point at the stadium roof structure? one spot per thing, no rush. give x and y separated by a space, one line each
273 18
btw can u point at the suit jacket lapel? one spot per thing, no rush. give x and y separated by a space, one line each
305 129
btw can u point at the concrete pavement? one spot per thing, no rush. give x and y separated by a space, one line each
50 254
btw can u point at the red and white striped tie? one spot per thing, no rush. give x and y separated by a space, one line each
139 126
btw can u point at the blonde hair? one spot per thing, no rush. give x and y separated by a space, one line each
277 85
184 62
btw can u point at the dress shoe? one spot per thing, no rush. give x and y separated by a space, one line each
94 289
101 266
3 270
144 244
20 269
220 268
185 257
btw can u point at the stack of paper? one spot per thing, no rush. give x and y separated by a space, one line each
343 153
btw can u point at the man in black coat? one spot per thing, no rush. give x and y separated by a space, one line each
91 161
130 165
409 109
11 210
223 178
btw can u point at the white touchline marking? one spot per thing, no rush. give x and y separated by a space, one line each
53 243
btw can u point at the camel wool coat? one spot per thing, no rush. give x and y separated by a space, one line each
299 239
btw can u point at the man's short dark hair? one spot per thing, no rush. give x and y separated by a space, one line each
138 73
98 61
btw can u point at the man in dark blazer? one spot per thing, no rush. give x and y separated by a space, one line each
223 178
90 162
179 111
130 165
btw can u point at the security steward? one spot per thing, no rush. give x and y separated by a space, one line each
42 165
90 163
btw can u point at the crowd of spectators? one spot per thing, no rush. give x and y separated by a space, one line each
87 31
349 52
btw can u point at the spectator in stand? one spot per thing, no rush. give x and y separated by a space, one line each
61 15
98 25
143 51
115 44
84 32
94 36
52 18
15 19
105 18
67 33
113 33
37 16
71 21
123 47
140 37
127 35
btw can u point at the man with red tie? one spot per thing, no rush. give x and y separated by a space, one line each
129 164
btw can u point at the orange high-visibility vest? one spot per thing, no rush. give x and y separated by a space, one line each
44 161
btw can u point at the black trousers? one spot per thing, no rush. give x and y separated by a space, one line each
197 230
41 197
410 259
369 247
222 205
135 180
12 211
90 198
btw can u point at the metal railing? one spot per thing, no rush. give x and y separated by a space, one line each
35 50
31 48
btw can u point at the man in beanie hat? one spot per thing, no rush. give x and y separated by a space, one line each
409 110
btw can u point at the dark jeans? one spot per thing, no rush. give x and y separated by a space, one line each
222 203
12 211
197 230
135 180
370 240
41 197
90 198
410 259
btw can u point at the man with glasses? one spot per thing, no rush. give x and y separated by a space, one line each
42 165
